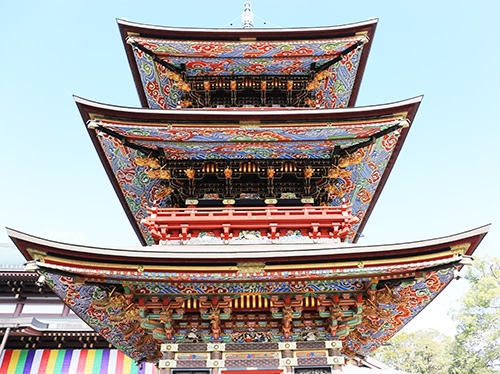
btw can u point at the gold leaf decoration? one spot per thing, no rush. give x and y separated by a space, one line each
171 75
322 75
310 102
316 82
228 173
460 248
163 193
186 103
270 172
333 190
183 86
344 162
336 172
250 267
308 172
160 174
190 173
312 85
148 161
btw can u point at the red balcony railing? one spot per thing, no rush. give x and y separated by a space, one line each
229 222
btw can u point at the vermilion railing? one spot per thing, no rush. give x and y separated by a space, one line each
229 222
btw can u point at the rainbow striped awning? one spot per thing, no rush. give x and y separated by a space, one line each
70 361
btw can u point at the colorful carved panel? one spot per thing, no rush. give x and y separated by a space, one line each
247 58
367 323
217 141
395 307
357 187
239 57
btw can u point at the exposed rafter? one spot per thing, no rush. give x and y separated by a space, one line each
125 141
155 58
326 65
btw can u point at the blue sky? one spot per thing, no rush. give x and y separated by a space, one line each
445 181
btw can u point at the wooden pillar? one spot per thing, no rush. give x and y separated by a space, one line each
336 369
167 362
287 361
335 357
216 362
216 355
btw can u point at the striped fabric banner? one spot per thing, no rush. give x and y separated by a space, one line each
70 361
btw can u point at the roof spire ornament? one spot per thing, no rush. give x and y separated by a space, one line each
247 16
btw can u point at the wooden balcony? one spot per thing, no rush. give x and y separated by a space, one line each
227 223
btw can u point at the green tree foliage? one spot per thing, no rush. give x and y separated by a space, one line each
418 352
476 346
477 343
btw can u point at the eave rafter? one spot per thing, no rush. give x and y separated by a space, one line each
325 65
154 56
150 152
337 153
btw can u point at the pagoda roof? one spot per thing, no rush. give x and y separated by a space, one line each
155 51
184 137
393 283
203 256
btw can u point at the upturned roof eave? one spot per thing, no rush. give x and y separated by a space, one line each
217 254
214 34
240 114
128 28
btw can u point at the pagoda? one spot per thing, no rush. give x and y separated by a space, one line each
248 175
